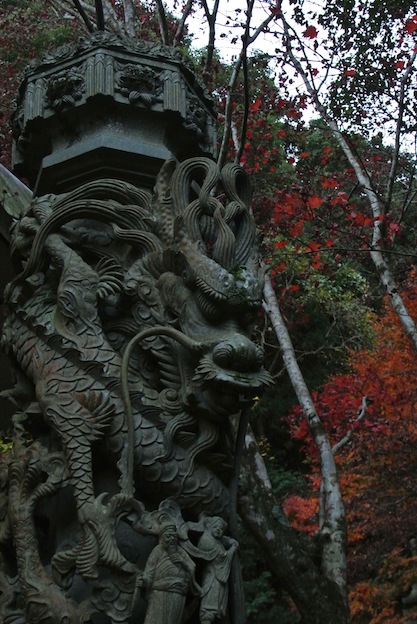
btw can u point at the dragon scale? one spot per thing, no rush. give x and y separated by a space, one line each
129 328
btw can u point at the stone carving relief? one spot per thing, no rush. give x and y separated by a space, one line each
64 89
129 331
139 84
96 90
116 42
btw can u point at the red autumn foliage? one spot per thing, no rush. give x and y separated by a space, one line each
302 513
311 32
26 32
411 25
377 465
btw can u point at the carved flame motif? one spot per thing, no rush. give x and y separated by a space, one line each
129 328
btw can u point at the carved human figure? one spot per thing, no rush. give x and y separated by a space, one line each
168 576
219 551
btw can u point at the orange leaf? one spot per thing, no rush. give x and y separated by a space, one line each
255 106
313 246
330 183
314 201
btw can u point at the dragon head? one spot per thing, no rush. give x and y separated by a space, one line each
208 285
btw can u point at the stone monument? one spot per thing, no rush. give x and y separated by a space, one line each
129 332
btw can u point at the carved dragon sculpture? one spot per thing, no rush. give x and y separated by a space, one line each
129 325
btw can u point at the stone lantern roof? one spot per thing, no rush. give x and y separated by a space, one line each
108 107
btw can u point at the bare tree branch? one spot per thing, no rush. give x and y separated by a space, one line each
261 28
229 112
246 99
246 42
398 129
335 448
181 25
211 21
111 19
163 23
129 16
100 14
346 438
84 16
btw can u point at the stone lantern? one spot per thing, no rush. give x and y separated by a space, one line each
107 107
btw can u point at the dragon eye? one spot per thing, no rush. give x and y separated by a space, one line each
171 315
223 355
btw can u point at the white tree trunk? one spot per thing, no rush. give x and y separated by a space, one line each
318 598
377 254
129 11
333 530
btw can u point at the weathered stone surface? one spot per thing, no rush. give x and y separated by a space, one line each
129 326
106 107
128 330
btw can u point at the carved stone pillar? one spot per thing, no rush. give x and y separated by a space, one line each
129 330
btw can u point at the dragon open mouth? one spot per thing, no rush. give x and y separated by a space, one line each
244 381
230 369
